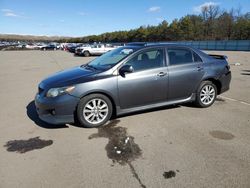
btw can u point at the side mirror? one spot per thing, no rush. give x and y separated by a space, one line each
126 69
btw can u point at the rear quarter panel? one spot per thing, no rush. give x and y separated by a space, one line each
214 69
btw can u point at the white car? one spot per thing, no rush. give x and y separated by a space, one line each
31 46
34 46
97 49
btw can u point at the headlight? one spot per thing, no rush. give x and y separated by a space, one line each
54 92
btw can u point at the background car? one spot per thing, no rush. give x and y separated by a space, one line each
49 47
72 47
95 49
31 46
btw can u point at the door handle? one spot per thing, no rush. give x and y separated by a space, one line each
199 68
161 74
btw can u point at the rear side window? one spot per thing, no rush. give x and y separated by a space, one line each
197 57
179 56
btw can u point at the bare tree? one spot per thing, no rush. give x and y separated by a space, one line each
209 14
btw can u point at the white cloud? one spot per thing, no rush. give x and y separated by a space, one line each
11 13
206 4
154 9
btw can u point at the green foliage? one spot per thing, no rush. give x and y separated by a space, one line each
211 24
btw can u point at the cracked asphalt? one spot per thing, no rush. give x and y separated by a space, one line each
176 146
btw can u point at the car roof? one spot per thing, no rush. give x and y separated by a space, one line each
156 44
144 45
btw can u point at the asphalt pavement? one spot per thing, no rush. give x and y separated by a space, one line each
176 146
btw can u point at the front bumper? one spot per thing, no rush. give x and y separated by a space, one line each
78 53
58 110
225 82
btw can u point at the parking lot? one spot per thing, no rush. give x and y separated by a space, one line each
176 146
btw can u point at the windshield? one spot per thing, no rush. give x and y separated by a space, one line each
111 58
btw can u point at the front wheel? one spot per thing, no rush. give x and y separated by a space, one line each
206 94
94 110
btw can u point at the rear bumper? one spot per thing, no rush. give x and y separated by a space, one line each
59 110
225 82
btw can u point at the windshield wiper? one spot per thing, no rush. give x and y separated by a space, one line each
90 66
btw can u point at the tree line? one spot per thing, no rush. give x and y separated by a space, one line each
212 23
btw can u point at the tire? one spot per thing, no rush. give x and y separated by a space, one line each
94 117
44 49
206 94
86 53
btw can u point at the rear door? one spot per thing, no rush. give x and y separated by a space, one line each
95 49
99 49
103 49
185 72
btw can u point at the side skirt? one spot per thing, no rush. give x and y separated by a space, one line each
151 106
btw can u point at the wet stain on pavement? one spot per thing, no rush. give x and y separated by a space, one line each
23 146
121 148
169 174
135 174
221 135
220 99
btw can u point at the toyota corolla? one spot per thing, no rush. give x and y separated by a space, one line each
132 78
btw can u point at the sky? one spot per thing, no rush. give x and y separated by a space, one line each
87 17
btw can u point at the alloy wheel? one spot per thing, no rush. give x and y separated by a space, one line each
207 94
95 111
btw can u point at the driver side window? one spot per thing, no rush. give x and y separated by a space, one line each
147 60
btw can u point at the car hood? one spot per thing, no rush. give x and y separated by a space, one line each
69 77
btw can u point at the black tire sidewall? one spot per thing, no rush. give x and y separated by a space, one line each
198 100
84 101
86 53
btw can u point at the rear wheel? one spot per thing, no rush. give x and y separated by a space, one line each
206 94
86 53
94 110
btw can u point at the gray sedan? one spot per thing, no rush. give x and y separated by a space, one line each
132 78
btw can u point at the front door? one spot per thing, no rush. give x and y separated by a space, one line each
148 83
